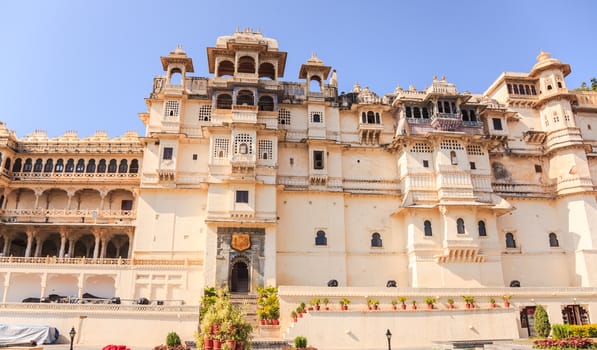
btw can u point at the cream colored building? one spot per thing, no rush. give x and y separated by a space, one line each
244 180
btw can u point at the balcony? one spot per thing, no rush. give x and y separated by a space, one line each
74 177
42 215
446 121
523 190
370 133
244 114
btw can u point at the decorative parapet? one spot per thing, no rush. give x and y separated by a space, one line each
52 260
74 177
523 190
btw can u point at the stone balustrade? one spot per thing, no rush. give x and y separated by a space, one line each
68 213
74 176
523 190
52 260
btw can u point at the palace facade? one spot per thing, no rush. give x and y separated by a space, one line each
244 180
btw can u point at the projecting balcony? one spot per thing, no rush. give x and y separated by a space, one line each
244 114
42 215
446 121
523 190
74 177
370 133
173 89
462 250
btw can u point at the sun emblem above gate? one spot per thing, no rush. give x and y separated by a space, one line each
240 241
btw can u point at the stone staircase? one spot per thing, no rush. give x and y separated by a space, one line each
249 301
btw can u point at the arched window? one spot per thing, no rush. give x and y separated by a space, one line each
315 84
267 70
515 89
363 117
482 230
70 166
245 97
515 284
377 118
320 238
316 118
134 168
553 240
112 166
224 101
559 84
465 115
417 112
101 167
425 113
527 89
521 89
39 164
376 240
175 77
49 166
473 116
28 165
225 68
80 166
409 112
460 225
453 158
246 64
59 166
427 225
509 88
7 163
440 107
17 166
91 166
123 167
266 103
370 117
510 242
446 107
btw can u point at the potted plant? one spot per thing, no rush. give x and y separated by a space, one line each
402 302
470 301
262 315
302 305
274 314
450 303
430 301
299 311
394 303
344 304
414 302
373 304
326 301
293 316
492 302
506 298
315 302
369 304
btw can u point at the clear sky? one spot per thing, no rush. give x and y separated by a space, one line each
87 65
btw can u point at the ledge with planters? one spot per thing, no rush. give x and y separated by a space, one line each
476 313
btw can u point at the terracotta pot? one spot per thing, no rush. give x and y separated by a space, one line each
368 307
403 306
450 306
375 307
317 307
414 307
217 344
208 344
394 307
492 305
240 345
263 322
344 307
294 319
327 308
299 315
310 308
468 305
231 344
430 306
276 322
506 304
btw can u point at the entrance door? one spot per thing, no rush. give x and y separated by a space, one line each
239 278
527 320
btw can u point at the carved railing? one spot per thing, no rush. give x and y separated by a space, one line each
98 261
39 176
65 307
70 213
523 190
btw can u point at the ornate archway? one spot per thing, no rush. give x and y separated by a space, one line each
240 275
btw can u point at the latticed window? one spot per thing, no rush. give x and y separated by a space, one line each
421 147
474 150
316 117
284 116
243 144
172 109
205 113
265 149
451 144
221 147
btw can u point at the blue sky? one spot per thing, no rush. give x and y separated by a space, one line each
88 65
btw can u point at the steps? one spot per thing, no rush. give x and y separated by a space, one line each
249 302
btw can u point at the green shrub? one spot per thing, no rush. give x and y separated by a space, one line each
560 331
584 331
300 342
172 339
542 326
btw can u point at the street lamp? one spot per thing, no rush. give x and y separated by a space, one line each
72 334
389 336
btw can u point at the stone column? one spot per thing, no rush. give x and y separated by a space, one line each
38 246
62 243
29 243
44 284
96 247
71 247
7 243
70 194
104 248
6 286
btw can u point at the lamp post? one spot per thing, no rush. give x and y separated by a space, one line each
72 334
389 336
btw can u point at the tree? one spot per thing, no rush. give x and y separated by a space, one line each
585 87
542 326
